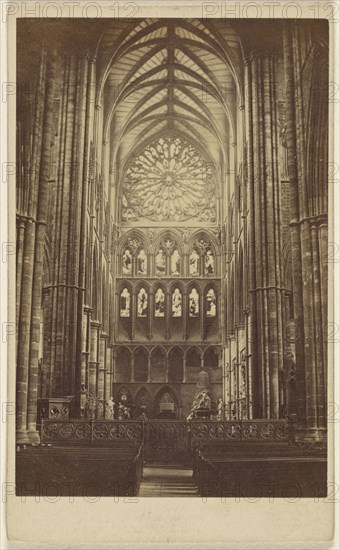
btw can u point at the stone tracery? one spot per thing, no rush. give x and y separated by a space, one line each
169 180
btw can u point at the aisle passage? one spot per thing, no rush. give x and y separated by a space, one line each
167 481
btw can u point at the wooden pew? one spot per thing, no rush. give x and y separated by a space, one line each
257 471
87 472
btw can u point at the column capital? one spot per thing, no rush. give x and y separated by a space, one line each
95 324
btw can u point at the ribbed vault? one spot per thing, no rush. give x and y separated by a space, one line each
169 76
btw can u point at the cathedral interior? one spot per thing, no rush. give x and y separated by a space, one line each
172 221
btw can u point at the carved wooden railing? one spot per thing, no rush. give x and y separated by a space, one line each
242 430
90 431
150 432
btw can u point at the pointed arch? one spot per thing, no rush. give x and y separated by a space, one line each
175 364
143 402
211 301
141 364
166 403
211 358
130 235
123 364
159 294
193 357
158 364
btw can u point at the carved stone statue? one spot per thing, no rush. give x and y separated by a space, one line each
100 409
220 409
201 406
289 384
91 406
123 412
110 409
83 399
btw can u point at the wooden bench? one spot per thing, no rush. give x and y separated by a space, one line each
79 471
257 471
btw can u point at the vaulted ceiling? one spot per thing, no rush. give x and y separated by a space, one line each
169 77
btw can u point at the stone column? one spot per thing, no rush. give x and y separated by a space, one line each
132 366
109 372
307 217
149 367
114 361
102 369
185 312
93 363
82 357
202 314
42 213
184 369
264 247
151 313
86 346
168 312
21 223
26 265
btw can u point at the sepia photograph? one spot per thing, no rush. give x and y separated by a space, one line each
172 257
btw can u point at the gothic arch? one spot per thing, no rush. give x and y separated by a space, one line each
123 364
171 234
141 364
211 357
123 390
177 284
211 303
160 303
193 357
165 391
124 283
175 364
158 364
205 235
142 283
132 234
143 402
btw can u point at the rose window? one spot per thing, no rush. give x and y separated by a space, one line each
169 180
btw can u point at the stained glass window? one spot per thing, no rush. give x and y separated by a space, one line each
169 180
175 263
211 303
176 303
194 303
209 263
127 262
142 303
125 303
159 303
160 262
142 263
194 259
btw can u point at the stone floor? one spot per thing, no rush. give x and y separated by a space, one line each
167 481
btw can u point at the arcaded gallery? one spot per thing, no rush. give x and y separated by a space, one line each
172 253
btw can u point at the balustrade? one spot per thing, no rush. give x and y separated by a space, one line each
188 434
